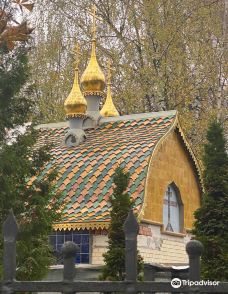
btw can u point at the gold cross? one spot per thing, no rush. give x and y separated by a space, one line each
77 54
93 13
110 68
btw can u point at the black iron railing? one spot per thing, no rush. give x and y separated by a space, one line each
9 284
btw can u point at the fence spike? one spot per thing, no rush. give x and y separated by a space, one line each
131 228
10 227
10 232
131 225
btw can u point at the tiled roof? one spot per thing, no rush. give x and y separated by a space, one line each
85 171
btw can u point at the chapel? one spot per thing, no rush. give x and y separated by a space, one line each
165 177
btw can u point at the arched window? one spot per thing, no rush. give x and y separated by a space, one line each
172 210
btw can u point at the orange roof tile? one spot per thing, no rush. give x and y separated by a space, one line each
86 170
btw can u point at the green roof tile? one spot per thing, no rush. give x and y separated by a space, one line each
123 141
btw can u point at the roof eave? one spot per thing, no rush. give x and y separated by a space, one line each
67 226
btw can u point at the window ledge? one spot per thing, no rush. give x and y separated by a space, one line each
150 222
78 265
173 233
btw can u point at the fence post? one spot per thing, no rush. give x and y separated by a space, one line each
10 232
194 249
131 228
69 251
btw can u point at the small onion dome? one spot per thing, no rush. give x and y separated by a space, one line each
93 79
75 104
109 108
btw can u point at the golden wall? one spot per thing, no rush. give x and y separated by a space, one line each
171 163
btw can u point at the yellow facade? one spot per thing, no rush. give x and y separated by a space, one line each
169 163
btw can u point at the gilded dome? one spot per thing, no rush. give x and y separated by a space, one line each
93 79
109 108
75 104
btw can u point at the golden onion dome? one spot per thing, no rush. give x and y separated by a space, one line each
109 108
93 79
75 104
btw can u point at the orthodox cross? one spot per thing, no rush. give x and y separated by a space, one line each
77 53
169 226
93 13
110 69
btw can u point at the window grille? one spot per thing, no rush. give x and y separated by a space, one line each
80 237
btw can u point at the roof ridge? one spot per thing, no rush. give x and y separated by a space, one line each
138 116
114 119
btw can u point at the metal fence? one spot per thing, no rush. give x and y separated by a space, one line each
9 284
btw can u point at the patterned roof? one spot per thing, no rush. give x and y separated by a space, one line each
85 171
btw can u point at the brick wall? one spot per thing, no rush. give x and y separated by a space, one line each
153 245
98 247
162 248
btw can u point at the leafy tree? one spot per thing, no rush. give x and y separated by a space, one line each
121 204
24 188
171 53
211 226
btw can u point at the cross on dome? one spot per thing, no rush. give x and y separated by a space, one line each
93 79
110 69
75 105
109 108
93 13
77 53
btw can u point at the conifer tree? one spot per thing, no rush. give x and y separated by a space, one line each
121 204
211 226
34 203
